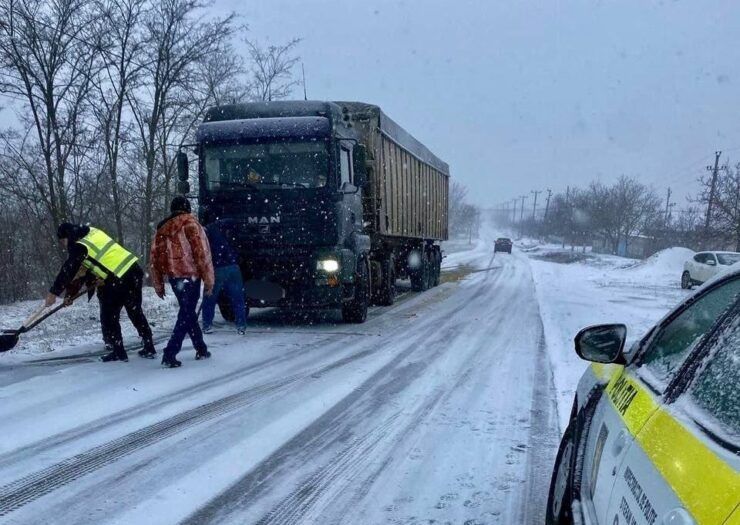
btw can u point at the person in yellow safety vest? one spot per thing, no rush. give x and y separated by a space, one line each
92 252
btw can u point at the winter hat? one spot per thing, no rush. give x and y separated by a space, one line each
72 232
180 203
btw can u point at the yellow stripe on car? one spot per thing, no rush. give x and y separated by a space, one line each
706 485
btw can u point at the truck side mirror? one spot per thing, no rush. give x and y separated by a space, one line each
183 187
359 158
183 167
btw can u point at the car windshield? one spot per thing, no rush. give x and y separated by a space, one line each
303 164
716 388
728 259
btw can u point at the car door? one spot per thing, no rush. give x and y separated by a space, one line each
699 270
711 267
666 472
695 266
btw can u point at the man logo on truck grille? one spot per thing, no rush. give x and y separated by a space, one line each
272 219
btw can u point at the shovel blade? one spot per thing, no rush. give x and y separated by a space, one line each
8 341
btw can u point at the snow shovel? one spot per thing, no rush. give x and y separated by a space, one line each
9 338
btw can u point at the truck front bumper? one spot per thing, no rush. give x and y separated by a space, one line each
302 284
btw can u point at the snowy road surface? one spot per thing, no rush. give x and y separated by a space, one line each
439 409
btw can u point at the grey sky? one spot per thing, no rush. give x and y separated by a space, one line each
528 95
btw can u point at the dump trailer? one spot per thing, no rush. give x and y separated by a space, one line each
328 203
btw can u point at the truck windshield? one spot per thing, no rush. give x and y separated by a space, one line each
302 164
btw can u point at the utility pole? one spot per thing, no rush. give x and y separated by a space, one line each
668 207
521 212
534 208
567 207
547 205
305 93
712 190
513 217
521 216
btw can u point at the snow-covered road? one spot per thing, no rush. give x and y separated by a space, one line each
439 409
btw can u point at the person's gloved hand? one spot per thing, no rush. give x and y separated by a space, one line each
50 299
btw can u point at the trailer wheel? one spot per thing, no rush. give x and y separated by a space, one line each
420 280
355 311
387 292
427 268
437 267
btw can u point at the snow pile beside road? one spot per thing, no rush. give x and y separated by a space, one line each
595 290
78 326
666 264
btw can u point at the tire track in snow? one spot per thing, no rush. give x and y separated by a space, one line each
33 486
353 460
128 414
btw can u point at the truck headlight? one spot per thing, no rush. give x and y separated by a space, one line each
328 265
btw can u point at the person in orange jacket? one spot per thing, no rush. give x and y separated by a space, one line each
181 254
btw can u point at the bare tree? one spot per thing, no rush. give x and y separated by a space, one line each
123 60
48 59
726 211
178 42
272 69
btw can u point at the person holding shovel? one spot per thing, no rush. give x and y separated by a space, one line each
93 255
181 253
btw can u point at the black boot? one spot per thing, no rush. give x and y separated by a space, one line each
170 361
148 352
117 354
202 354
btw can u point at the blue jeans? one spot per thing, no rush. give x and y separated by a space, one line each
228 279
187 292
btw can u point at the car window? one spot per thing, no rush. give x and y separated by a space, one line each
710 258
716 388
699 257
728 259
675 340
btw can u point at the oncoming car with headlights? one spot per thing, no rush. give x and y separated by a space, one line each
654 433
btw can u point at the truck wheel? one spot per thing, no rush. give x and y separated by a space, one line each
224 306
387 292
355 311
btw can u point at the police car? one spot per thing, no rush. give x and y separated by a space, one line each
654 434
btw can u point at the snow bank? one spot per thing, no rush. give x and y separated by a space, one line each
667 262
601 289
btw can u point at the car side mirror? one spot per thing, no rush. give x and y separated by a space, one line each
359 159
711 262
602 343
348 188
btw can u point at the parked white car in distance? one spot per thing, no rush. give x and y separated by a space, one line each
705 265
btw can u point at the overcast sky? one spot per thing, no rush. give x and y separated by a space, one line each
518 95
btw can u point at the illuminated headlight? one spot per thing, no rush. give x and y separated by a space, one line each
328 265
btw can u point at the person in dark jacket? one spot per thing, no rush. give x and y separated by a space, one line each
228 277
92 253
